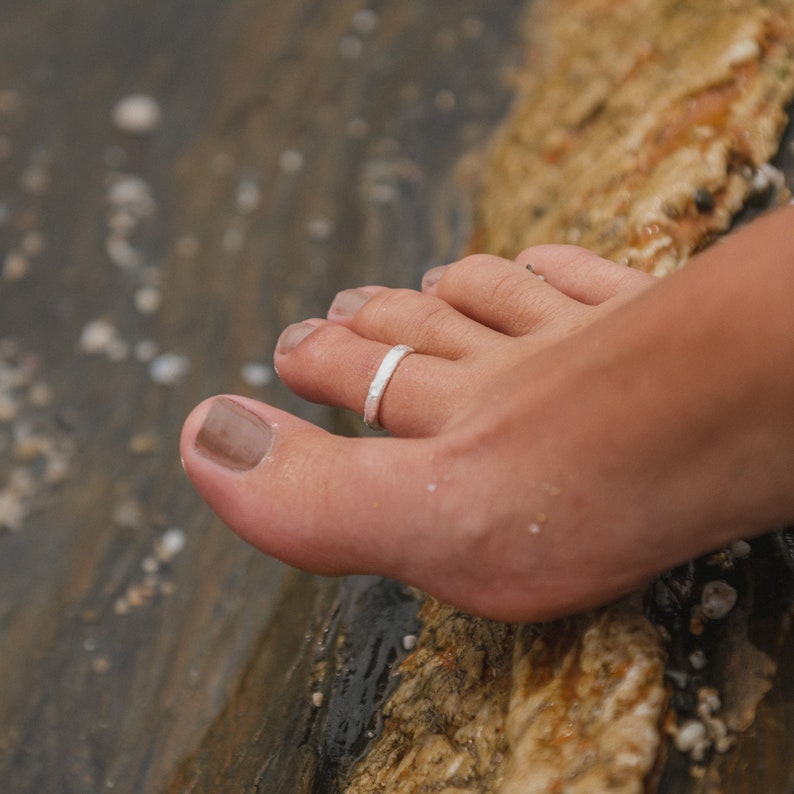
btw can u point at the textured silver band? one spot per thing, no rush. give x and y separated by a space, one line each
379 383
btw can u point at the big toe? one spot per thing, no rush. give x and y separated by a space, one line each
305 496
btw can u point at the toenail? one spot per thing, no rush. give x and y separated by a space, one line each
292 336
348 302
233 437
433 276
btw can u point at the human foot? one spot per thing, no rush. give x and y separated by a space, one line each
533 469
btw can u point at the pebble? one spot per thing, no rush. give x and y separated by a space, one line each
317 699
291 161
717 600
248 196
690 735
148 300
144 444
16 266
320 229
168 368
409 642
137 114
100 665
255 374
132 193
97 336
698 660
171 543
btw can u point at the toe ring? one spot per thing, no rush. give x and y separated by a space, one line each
379 383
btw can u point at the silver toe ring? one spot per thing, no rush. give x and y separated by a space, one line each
379 383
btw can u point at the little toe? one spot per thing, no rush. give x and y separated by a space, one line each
498 294
583 275
328 363
402 316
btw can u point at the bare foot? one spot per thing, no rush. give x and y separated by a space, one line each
537 464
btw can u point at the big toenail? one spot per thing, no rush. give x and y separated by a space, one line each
233 437
348 302
292 336
433 276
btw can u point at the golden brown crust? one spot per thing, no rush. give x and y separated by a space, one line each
638 126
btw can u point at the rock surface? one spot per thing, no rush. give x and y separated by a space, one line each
640 130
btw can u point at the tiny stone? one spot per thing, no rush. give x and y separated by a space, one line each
689 735
256 374
100 665
320 229
128 514
709 702
16 266
148 300
171 543
40 395
34 179
698 660
317 699
121 253
168 368
409 642
248 196
132 193
33 243
717 600
137 114
741 549
150 564
144 444
96 336
291 161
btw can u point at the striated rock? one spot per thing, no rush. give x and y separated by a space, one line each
640 128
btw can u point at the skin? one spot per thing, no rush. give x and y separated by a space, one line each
555 441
